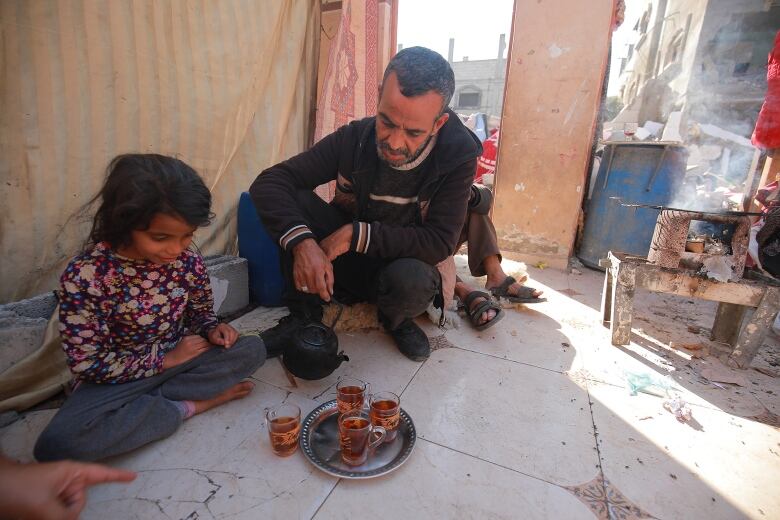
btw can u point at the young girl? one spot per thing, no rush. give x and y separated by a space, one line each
137 320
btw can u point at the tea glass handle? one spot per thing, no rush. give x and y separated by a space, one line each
376 442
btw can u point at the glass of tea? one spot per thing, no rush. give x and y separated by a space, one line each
350 394
355 434
385 411
284 428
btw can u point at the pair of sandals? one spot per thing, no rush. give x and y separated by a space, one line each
525 295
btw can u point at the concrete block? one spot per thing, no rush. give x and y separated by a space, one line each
40 306
20 336
229 277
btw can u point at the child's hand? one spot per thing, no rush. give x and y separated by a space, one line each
223 334
189 347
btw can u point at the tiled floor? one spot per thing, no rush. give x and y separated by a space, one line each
529 419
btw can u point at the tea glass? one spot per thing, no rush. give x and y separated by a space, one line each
355 432
350 394
284 428
385 411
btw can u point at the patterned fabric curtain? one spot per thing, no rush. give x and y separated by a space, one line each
352 77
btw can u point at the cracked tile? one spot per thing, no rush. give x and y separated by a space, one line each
218 464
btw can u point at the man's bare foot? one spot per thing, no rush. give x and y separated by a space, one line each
462 290
496 276
512 290
237 391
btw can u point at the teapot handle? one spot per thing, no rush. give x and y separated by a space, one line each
338 314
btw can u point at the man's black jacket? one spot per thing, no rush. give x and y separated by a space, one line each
349 155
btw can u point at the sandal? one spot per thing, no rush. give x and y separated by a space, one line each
476 313
526 293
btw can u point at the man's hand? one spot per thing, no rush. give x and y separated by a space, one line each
53 490
337 243
312 270
223 334
189 347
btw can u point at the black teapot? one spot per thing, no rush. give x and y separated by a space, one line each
313 350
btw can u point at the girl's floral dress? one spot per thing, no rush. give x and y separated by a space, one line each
118 316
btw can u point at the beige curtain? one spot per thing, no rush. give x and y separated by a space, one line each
226 86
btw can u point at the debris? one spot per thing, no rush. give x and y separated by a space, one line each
679 408
718 268
695 329
717 132
643 381
540 265
687 346
646 418
672 128
766 371
718 372
695 350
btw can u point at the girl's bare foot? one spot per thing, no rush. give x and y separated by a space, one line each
236 391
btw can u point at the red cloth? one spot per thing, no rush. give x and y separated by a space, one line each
487 162
767 132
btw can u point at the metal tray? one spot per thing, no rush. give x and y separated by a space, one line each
320 444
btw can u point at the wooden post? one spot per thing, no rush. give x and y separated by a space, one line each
728 322
624 286
750 193
756 329
606 296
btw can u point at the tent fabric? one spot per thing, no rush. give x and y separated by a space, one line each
227 86
41 375
352 76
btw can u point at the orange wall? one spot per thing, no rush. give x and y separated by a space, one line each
556 65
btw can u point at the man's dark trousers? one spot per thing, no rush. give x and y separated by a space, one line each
401 288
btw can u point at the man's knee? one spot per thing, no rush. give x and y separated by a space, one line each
480 200
410 281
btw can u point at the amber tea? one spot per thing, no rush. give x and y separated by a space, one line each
350 394
355 431
284 428
385 411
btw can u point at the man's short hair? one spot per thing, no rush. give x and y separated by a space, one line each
420 70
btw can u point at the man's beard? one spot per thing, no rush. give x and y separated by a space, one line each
408 157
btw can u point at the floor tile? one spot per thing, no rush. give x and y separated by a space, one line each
531 420
524 335
437 482
716 466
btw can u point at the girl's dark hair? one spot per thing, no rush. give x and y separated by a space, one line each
137 187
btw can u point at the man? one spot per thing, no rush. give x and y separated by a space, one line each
403 180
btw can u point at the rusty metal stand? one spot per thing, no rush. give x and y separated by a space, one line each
625 273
